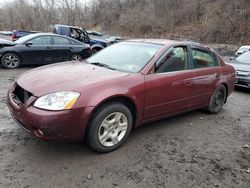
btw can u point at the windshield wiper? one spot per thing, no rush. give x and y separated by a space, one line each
102 65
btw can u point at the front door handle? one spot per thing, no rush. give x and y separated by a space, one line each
48 47
188 83
183 82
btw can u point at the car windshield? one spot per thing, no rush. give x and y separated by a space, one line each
245 57
125 56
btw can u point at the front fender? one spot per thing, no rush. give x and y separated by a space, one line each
131 87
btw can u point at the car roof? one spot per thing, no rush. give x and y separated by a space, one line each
167 42
31 36
44 34
69 26
244 47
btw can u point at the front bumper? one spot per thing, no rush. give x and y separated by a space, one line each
242 82
66 125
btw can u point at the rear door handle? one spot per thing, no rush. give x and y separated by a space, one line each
48 47
217 75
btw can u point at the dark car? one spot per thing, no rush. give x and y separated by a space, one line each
119 88
42 48
242 67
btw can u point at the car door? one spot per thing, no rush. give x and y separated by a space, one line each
207 73
37 50
169 88
61 49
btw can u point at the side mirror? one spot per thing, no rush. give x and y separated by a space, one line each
29 44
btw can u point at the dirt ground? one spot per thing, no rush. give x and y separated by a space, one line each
191 150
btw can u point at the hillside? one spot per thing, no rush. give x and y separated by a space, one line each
217 21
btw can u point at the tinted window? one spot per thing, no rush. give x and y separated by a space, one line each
175 60
61 41
202 59
64 30
44 40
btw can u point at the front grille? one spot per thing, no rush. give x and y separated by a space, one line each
242 73
20 95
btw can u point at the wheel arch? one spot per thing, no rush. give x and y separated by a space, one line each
99 47
14 52
128 102
226 86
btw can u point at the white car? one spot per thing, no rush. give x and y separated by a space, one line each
241 50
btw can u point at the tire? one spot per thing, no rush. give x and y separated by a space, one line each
109 127
217 100
76 57
95 50
10 61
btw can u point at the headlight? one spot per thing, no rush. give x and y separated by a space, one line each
57 101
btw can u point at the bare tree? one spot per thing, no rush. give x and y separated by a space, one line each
204 20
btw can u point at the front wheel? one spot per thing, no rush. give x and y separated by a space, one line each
10 61
110 127
217 100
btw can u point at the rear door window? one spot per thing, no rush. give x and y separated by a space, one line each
203 59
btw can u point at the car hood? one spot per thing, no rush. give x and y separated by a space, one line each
68 76
240 66
6 43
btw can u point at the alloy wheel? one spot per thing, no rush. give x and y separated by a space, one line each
11 61
113 129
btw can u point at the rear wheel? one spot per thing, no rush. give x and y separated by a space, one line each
109 127
217 100
76 57
10 60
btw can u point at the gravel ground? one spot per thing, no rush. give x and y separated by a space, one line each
190 150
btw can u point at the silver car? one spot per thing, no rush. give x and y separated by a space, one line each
242 67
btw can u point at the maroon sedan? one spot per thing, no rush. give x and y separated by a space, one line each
121 87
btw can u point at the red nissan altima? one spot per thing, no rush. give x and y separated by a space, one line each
121 87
